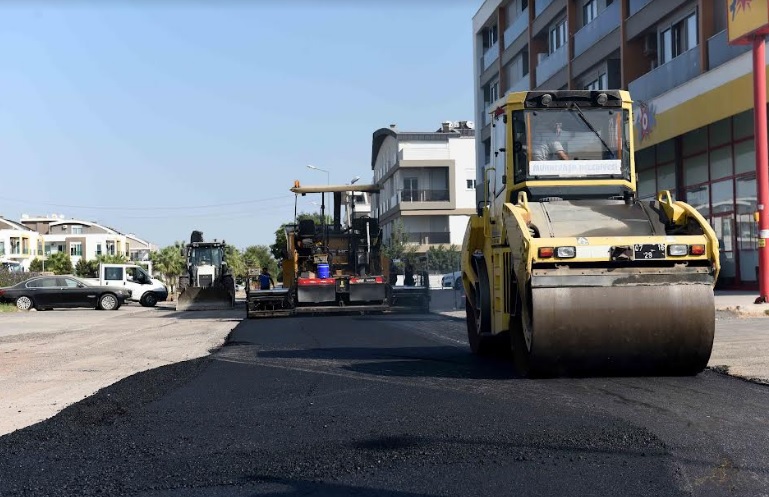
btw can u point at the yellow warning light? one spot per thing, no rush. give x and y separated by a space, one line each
296 183
755 216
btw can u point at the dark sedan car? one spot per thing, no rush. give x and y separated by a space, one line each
48 292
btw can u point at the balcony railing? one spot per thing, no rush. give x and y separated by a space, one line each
517 28
540 6
667 76
489 56
520 85
552 64
719 50
424 195
590 34
636 5
425 237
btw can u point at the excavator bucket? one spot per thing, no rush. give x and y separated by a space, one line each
204 299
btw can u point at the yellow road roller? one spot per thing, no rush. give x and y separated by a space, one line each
564 267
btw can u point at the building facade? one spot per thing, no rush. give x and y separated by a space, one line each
77 238
427 182
17 243
693 106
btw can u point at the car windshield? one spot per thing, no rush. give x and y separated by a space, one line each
206 256
571 143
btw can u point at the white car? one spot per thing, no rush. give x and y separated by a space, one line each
452 280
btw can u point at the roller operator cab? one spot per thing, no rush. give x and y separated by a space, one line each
564 266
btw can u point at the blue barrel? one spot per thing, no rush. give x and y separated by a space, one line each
323 270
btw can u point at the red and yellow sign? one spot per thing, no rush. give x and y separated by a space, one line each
745 18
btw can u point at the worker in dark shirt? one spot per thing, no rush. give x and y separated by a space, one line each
265 279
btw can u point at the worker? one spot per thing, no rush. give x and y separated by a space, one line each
265 279
408 277
550 147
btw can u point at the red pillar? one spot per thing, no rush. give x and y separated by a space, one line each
762 165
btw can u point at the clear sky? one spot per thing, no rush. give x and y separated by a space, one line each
160 117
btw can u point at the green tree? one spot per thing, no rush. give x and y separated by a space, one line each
398 246
168 262
111 259
36 265
258 256
279 246
235 261
443 259
87 269
59 263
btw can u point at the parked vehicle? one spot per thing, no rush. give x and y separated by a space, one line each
144 289
11 266
49 292
452 280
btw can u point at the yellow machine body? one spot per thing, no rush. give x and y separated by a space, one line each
564 266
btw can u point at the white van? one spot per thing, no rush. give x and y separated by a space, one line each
145 289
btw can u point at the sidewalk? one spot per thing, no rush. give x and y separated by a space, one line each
740 346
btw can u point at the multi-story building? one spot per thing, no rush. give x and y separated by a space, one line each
76 237
427 182
138 249
692 92
17 242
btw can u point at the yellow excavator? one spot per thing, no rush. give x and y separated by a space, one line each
564 267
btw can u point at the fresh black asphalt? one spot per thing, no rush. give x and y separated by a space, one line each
390 406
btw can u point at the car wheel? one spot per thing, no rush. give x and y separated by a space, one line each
108 302
149 299
24 303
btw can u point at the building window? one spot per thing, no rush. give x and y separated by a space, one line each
490 36
77 230
15 246
2 248
98 249
558 36
589 12
601 83
76 249
678 38
471 184
111 248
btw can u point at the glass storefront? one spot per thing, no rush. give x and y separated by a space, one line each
713 169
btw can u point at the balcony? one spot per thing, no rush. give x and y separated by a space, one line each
667 76
590 34
551 64
424 196
635 5
489 56
517 28
520 85
719 50
540 6
427 237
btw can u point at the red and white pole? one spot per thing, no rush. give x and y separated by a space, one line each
762 165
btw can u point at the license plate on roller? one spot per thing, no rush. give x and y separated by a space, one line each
649 251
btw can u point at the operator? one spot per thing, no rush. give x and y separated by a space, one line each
265 279
550 147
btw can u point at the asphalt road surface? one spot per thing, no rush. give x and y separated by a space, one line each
390 406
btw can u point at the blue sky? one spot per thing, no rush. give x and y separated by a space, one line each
134 113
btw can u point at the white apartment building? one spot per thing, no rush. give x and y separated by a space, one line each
76 237
427 181
17 243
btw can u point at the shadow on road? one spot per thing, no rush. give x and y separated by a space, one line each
408 362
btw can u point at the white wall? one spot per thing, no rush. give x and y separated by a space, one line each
463 152
458 226
24 259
